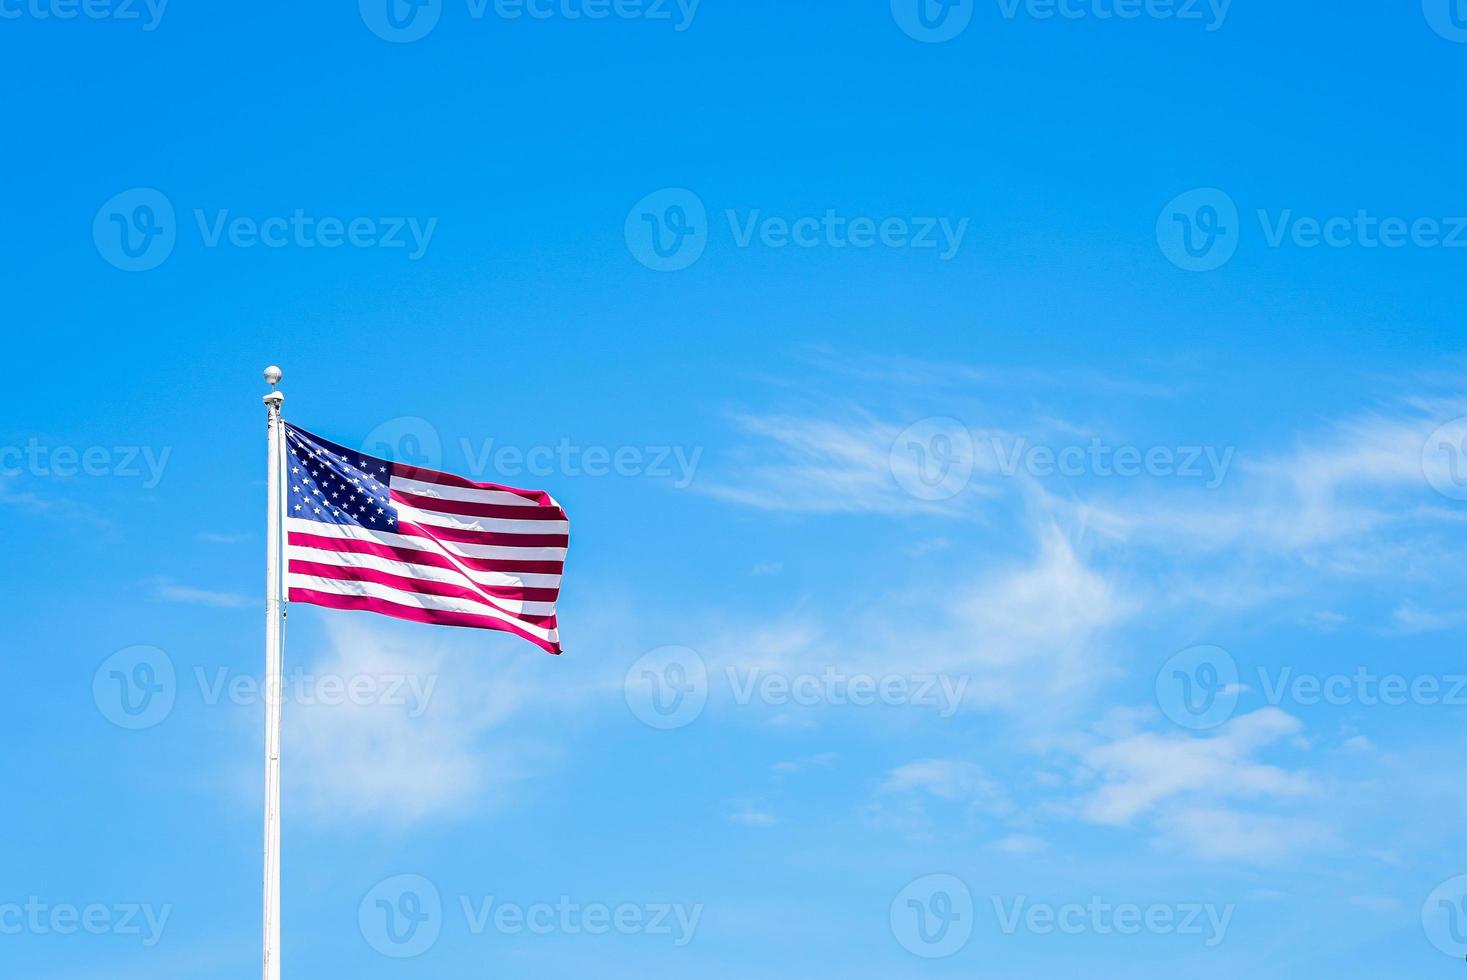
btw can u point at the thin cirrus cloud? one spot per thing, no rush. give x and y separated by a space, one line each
822 466
1140 772
173 592
926 797
1352 498
1353 481
1044 619
1343 494
215 537
750 813
1036 627
445 731
1349 502
1212 798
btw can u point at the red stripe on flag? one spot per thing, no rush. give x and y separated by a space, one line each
502 539
439 617
449 480
406 584
470 508
506 565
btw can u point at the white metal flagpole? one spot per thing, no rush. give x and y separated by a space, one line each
274 675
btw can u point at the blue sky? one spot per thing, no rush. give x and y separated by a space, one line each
1015 454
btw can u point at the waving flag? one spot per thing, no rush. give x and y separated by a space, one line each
368 533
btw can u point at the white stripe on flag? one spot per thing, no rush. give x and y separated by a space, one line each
468 522
469 494
429 573
421 543
416 600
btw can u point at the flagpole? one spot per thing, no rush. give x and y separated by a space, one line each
274 676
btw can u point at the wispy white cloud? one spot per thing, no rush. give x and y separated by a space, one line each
949 779
749 813
1020 844
1384 904
395 761
1411 618
1338 489
1221 833
214 537
1110 563
1139 772
51 506
821 760
377 760
1032 629
926 547
896 371
1186 789
910 792
820 466
1358 743
1044 621
173 592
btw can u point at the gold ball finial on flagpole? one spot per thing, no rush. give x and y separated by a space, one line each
273 374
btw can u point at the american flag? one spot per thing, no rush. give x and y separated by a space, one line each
368 533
